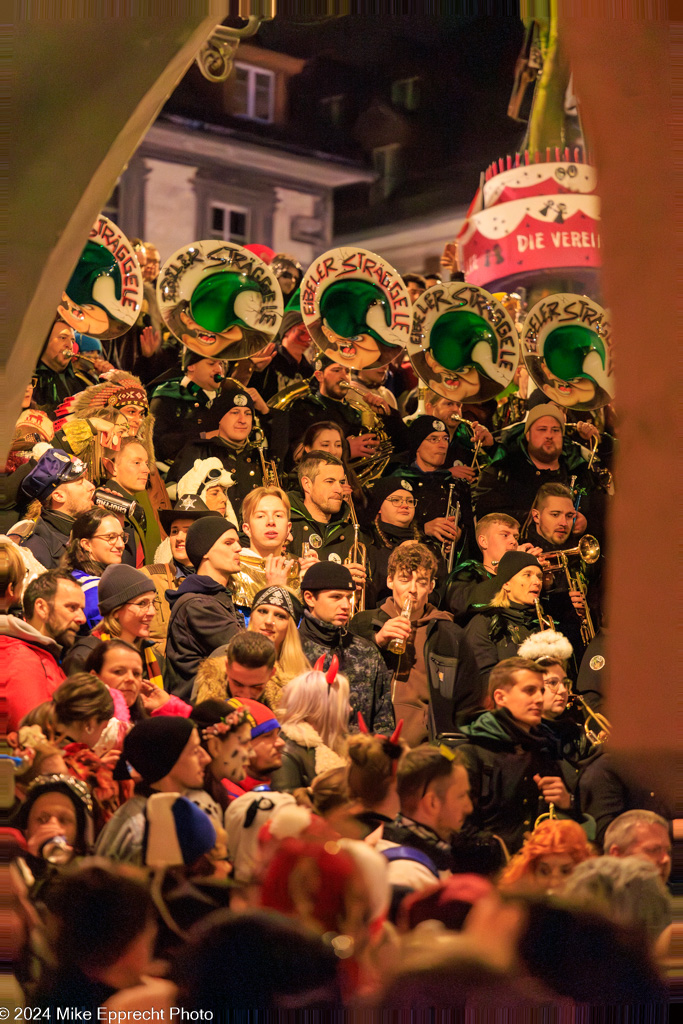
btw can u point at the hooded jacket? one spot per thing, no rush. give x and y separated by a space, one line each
202 618
502 759
361 663
30 670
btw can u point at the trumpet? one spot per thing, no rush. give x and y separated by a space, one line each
359 555
268 467
448 546
477 444
588 550
591 718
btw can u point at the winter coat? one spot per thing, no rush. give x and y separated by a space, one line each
502 759
49 538
510 483
211 682
491 636
410 692
202 619
305 756
76 657
179 412
362 664
30 670
244 464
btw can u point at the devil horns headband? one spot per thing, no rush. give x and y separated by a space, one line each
394 736
331 674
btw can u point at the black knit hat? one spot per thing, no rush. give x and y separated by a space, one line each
153 746
327 576
381 491
511 563
421 428
202 536
280 597
231 396
120 584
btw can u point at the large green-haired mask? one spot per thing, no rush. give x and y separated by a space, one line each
95 263
574 351
351 308
460 339
218 301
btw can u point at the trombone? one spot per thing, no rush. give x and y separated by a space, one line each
588 549
448 546
359 555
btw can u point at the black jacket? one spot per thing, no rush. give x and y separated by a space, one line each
245 466
502 759
202 619
362 664
491 636
50 537
333 538
179 416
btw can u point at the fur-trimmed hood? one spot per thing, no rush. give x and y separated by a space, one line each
305 735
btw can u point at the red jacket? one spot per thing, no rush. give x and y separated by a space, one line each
29 672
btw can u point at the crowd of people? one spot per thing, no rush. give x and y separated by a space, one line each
302 685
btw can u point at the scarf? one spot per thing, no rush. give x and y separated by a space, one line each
153 668
392 536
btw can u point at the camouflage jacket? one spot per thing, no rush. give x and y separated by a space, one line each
361 663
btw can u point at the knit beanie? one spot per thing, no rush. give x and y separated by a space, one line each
513 562
382 490
421 428
229 397
202 536
120 584
178 832
153 746
327 575
544 409
280 597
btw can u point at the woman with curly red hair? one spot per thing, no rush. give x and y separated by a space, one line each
548 857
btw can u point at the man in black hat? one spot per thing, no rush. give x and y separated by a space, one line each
179 404
327 589
431 481
229 421
167 755
61 486
202 613
328 402
169 575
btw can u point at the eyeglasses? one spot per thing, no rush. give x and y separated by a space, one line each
146 606
410 502
555 684
112 538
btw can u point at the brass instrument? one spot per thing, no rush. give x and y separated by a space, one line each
448 546
268 467
283 399
369 468
359 555
251 578
477 444
587 628
591 717
588 550
543 623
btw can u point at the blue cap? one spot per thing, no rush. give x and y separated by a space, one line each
53 468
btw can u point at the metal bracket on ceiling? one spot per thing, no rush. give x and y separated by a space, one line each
215 59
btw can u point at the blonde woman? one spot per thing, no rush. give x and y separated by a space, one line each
314 720
276 613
